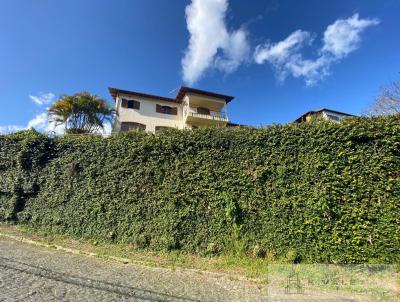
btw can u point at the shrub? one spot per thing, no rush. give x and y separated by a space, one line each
329 191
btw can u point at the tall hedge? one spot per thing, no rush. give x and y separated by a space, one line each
323 191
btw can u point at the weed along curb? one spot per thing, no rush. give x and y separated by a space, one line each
232 275
318 281
57 247
70 250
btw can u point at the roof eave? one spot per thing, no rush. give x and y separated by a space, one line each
178 99
184 90
115 91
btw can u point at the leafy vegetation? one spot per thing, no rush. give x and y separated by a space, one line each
81 113
313 192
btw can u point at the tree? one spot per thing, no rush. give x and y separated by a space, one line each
81 113
388 101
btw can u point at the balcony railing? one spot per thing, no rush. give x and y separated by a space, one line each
218 116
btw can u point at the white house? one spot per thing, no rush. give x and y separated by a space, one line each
191 108
323 113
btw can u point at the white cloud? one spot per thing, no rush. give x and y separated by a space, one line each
281 51
43 98
10 129
343 36
235 52
52 128
211 45
311 70
284 55
340 38
39 123
107 128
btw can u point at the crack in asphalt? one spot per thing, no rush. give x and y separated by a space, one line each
125 291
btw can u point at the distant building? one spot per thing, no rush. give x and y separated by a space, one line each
191 108
323 113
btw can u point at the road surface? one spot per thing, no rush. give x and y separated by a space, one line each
34 273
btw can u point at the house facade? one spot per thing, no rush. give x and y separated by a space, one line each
191 108
326 114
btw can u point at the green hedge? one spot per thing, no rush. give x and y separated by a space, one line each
322 191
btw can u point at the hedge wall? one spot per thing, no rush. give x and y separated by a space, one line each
323 191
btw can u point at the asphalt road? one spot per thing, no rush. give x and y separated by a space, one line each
34 273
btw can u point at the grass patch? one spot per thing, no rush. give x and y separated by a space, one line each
366 282
251 269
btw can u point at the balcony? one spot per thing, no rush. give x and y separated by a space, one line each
217 116
203 111
204 117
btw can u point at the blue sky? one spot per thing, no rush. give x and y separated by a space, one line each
278 58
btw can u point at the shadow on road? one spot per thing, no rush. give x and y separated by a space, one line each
123 291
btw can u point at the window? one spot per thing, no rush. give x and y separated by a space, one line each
130 104
160 129
166 109
333 117
132 126
201 110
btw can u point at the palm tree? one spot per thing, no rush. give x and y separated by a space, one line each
81 113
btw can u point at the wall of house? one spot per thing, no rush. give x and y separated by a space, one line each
327 114
147 114
197 100
216 106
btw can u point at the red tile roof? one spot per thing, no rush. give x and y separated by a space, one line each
183 90
115 91
178 99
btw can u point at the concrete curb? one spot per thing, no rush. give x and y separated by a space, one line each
121 259
60 248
